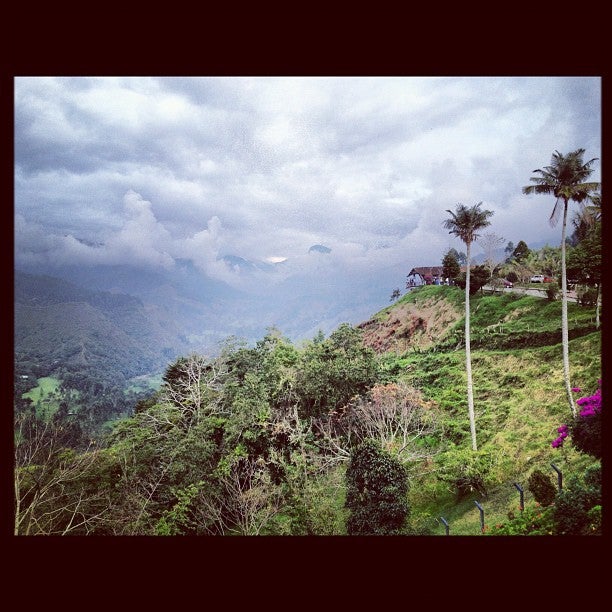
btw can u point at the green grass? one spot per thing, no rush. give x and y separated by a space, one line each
148 382
519 401
45 396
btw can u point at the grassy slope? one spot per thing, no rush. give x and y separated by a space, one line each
519 397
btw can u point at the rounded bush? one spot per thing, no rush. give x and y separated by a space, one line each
541 487
376 495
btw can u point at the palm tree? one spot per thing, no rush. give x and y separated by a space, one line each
565 179
465 223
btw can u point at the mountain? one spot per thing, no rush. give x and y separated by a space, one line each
319 248
59 324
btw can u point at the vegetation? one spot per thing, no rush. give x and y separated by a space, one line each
376 490
259 439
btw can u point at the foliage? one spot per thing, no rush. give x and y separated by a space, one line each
450 265
334 371
586 426
542 488
464 469
479 276
377 488
532 521
552 291
521 251
577 509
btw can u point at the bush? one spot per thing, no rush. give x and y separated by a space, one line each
532 521
586 434
575 510
541 487
376 492
465 469
552 291
587 296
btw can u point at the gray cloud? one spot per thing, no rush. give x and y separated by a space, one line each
157 169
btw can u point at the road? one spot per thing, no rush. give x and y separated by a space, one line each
571 295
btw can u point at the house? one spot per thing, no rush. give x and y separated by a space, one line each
425 275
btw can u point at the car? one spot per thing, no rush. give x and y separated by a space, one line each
507 283
537 278
548 279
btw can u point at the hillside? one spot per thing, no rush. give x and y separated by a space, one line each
419 320
432 317
58 324
519 395
259 439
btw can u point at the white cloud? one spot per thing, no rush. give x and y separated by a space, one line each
263 168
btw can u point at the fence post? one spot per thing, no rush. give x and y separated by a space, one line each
446 525
482 523
522 502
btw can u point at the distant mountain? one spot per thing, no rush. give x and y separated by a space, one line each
245 265
319 248
59 324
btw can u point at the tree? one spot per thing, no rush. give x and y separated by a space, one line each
479 276
461 257
450 265
565 179
376 492
396 293
520 252
584 264
490 243
465 223
509 248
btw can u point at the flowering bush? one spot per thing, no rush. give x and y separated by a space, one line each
586 428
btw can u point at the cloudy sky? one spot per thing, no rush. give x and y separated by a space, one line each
155 170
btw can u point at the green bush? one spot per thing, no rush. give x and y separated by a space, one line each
574 510
552 291
465 469
533 520
541 487
376 492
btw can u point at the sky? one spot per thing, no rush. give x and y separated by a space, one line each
156 171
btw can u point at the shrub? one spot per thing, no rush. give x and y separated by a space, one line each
575 510
534 520
552 291
586 434
586 426
587 296
376 492
541 487
465 469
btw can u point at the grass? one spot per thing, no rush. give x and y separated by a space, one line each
148 382
45 396
519 400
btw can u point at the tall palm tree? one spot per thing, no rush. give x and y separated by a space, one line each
565 179
465 223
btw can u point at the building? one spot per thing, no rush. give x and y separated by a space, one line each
425 275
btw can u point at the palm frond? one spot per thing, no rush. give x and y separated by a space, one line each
555 214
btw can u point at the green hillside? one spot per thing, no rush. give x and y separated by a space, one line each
93 343
258 440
